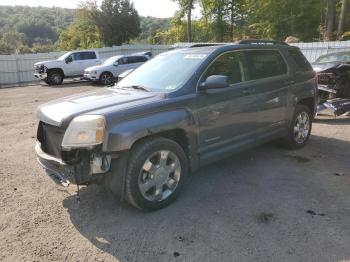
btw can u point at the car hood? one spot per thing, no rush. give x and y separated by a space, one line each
319 67
47 62
61 111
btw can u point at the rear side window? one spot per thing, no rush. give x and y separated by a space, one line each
266 63
136 59
84 55
300 60
89 55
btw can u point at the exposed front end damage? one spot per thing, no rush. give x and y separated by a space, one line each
78 166
333 87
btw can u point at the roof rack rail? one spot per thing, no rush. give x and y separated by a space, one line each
260 42
206 44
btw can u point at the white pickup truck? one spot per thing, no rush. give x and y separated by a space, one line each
71 64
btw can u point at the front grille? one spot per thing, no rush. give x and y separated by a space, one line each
40 69
50 138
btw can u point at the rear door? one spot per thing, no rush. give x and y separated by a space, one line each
227 116
89 59
269 74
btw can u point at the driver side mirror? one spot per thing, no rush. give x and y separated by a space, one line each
115 64
69 59
214 82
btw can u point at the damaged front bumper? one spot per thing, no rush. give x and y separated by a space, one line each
338 106
89 168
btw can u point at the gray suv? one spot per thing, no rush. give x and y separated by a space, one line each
181 110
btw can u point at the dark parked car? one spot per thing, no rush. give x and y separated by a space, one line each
181 110
334 82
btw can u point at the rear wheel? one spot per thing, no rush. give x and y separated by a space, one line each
156 173
299 128
106 78
55 78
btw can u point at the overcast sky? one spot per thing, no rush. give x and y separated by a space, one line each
156 8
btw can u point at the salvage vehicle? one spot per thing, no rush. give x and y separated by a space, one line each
113 67
334 82
182 110
69 65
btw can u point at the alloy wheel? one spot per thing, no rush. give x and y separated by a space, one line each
302 127
159 176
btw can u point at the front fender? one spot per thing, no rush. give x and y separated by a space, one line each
122 136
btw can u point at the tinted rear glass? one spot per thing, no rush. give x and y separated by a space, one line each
266 63
136 59
89 55
300 60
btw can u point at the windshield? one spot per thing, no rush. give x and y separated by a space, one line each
343 57
111 61
62 57
166 72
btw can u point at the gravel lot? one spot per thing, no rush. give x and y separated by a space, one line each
267 204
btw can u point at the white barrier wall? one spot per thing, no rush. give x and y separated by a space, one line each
17 69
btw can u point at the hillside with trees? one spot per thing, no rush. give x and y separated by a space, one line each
114 22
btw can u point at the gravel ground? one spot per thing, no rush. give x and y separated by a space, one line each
267 204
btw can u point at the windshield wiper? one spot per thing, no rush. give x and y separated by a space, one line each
137 87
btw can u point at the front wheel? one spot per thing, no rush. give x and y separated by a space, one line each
55 78
106 79
156 173
299 128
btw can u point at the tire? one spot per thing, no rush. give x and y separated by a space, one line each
106 79
299 129
157 170
55 78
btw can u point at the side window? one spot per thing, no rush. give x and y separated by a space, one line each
300 60
78 56
266 63
123 60
132 60
89 55
136 59
141 59
231 65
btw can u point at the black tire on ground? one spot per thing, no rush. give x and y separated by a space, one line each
294 139
140 154
55 78
106 78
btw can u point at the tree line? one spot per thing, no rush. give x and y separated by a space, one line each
230 20
114 22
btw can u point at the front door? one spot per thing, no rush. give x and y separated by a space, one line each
227 116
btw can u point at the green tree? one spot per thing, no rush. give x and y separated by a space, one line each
83 33
118 21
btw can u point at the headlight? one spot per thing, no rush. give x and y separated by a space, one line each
84 131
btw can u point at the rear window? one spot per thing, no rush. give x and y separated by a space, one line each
300 60
266 63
